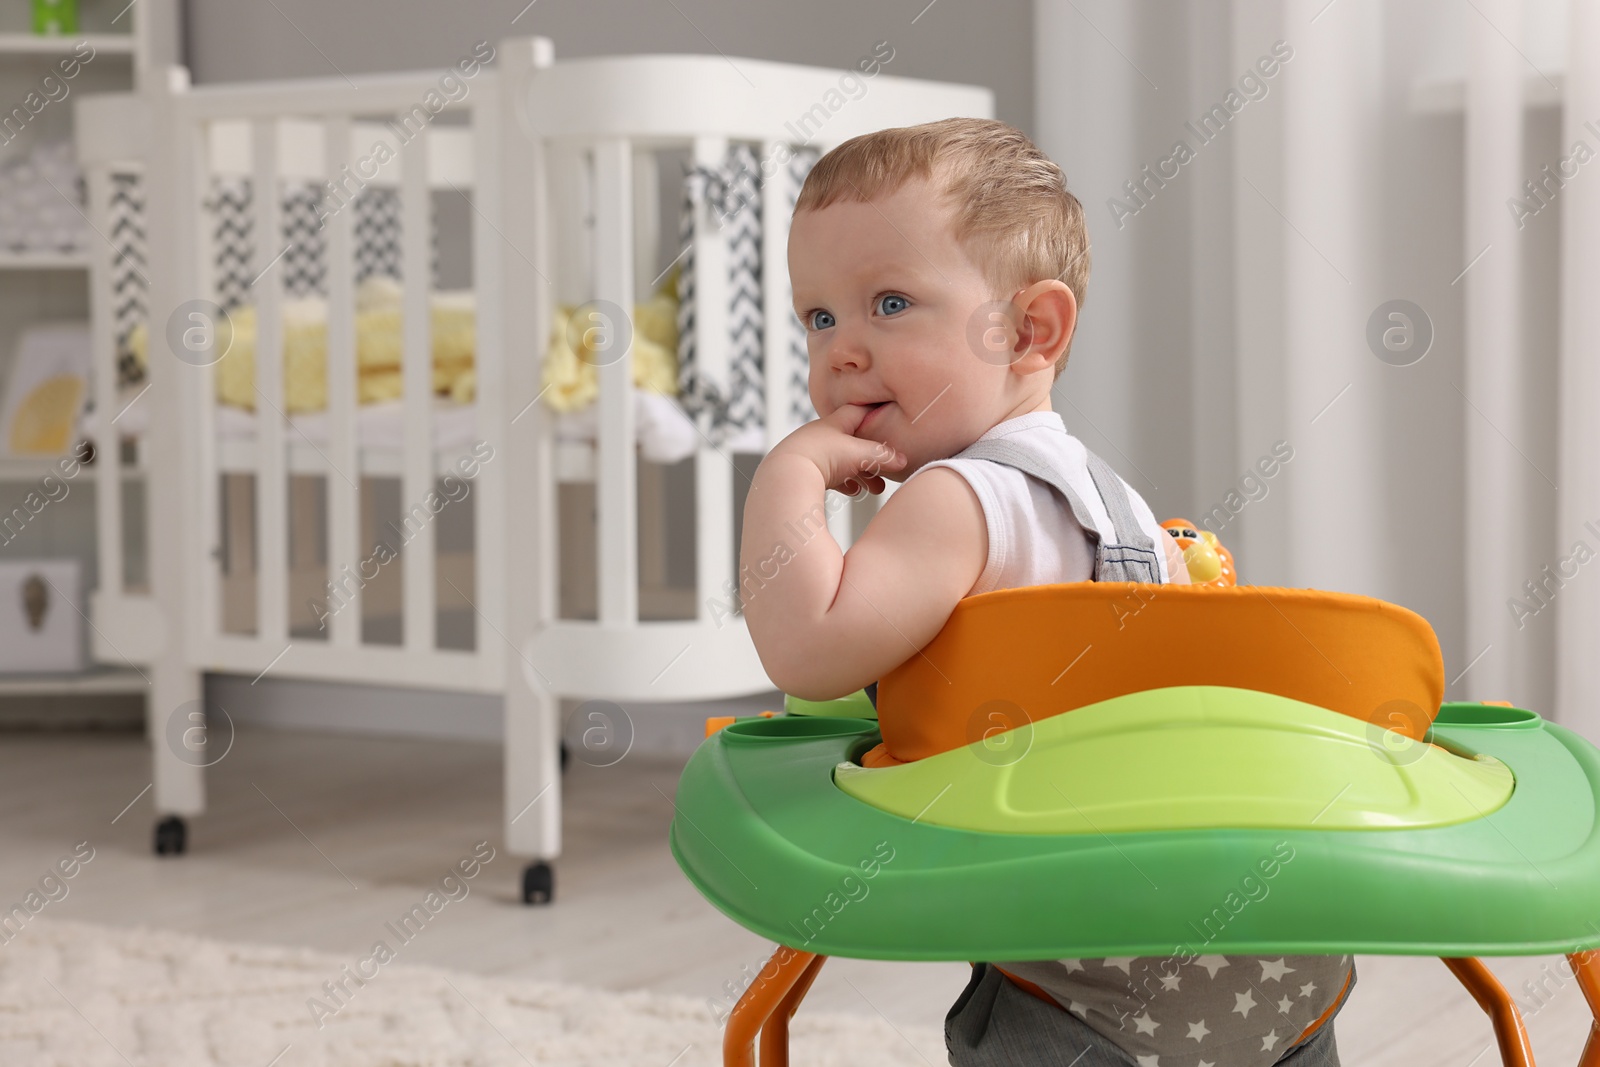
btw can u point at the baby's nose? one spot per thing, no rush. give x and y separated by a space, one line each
847 353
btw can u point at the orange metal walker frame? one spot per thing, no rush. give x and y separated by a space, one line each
772 999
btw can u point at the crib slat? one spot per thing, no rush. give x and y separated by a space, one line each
648 277
206 593
103 386
266 293
776 311
417 485
616 494
343 480
491 569
714 538
551 238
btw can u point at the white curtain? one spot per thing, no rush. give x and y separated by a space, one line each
1339 309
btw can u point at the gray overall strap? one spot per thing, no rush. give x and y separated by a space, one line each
1131 557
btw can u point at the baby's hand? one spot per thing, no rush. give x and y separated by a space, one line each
846 461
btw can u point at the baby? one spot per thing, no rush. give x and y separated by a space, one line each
938 271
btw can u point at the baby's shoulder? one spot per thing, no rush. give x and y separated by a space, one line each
933 519
935 503
938 482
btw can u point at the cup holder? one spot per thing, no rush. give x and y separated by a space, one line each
794 728
1496 716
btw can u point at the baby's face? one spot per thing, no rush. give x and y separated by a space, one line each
888 299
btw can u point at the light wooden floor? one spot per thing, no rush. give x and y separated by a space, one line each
317 840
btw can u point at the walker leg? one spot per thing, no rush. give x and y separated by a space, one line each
1586 969
765 995
775 1034
1515 1050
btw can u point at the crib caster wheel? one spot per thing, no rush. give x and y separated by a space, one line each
171 836
566 755
538 883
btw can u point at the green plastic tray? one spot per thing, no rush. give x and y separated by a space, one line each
765 834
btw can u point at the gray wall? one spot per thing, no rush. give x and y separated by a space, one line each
953 40
1179 369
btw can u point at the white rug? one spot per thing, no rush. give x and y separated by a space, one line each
75 995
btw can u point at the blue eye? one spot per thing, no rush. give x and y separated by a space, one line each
890 303
820 320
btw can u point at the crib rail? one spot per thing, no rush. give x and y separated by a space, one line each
601 116
660 99
609 110
271 134
559 162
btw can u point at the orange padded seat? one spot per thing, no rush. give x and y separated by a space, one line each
1019 655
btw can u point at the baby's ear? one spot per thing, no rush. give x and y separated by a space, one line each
1048 316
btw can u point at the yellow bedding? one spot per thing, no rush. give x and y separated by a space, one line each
378 344
571 378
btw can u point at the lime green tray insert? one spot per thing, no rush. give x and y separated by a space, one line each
855 706
1188 757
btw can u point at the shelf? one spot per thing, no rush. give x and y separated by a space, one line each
44 261
95 680
36 44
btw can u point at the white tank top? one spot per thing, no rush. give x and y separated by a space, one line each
1177 1015
1033 537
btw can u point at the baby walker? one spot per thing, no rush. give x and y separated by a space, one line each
969 817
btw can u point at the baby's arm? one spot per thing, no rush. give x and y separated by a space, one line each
825 622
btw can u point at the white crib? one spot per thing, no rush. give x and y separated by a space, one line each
542 148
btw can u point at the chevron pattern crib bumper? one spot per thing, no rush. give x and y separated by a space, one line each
729 197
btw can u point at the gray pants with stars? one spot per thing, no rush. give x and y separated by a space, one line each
996 1024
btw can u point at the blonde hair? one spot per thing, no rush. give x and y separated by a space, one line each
1014 214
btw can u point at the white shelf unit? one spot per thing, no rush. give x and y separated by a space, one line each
128 40
16 44
95 681
44 261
